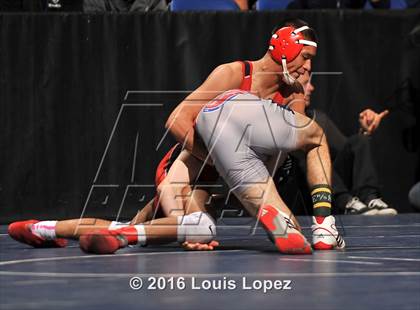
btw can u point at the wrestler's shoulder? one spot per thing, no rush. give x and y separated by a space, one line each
230 68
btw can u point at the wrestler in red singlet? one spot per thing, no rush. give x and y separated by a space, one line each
247 81
209 173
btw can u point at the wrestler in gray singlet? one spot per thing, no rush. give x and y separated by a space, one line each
242 132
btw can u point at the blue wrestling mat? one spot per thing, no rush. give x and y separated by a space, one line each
380 269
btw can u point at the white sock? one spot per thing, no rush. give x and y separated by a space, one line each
141 234
134 234
44 229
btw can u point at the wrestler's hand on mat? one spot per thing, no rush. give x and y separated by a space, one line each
369 120
191 246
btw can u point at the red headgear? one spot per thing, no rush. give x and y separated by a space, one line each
287 43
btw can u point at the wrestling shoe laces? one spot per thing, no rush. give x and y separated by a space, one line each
281 230
289 223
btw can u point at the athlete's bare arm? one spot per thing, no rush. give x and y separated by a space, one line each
181 121
297 103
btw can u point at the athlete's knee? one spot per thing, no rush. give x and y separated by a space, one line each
164 191
196 227
160 188
314 136
167 187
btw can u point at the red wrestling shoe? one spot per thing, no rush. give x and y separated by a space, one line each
282 232
21 231
102 241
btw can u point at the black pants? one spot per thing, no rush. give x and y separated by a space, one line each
354 172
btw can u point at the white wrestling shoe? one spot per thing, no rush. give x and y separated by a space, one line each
325 236
381 207
355 206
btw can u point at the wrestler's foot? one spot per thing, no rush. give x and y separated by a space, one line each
287 238
382 207
21 231
325 235
102 241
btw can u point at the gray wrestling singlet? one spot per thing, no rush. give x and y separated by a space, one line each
242 133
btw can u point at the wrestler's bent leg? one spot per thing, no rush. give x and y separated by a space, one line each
182 172
241 136
311 138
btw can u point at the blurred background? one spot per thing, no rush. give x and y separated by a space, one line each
82 81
